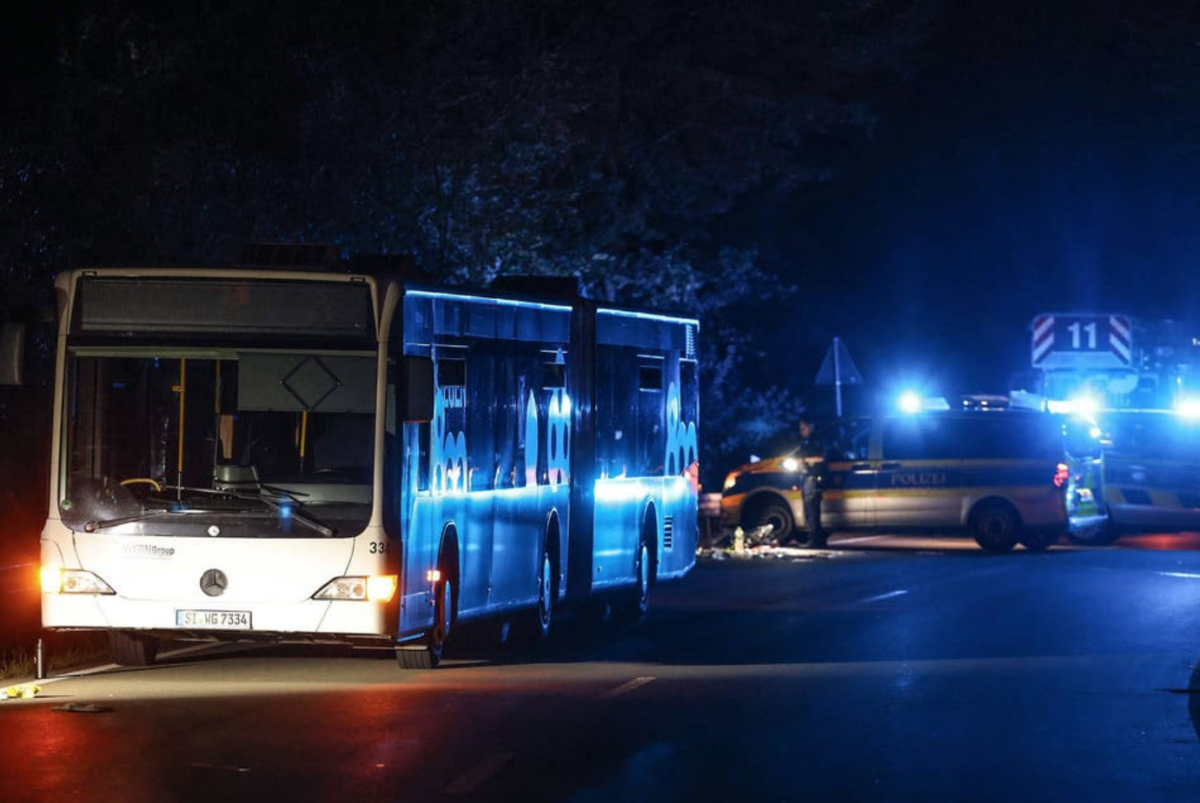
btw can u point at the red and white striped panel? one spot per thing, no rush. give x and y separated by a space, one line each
1120 337
1043 337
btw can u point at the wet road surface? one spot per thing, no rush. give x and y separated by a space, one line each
891 671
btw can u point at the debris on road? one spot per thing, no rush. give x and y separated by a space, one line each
763 552
756 543
82 708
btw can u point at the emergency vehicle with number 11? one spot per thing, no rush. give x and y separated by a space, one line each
1135 380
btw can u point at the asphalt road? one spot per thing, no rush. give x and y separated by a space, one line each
887 670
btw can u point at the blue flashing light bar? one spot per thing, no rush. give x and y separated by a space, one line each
1082 406
912 402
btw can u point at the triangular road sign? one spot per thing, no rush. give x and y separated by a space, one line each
837 368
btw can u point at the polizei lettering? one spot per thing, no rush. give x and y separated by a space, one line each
916 479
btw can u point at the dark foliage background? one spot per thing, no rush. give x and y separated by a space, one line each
619 142
919 178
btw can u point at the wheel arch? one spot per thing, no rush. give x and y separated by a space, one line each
448 557
552 540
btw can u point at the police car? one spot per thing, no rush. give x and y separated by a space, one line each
1004 477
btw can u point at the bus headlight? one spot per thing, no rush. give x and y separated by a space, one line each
72 581
790 464
376 588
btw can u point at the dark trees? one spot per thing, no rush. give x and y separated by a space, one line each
617 141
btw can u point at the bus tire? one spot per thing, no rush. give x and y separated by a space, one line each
633 605
996 527
543 615
427 653
132 649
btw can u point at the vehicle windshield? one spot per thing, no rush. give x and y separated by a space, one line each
1155 435
236 443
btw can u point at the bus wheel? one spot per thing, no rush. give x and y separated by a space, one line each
995 527
544 616
131 649
633 606
427 654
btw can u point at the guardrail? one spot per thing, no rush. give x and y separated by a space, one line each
710 518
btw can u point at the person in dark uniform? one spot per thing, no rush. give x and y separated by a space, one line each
815 472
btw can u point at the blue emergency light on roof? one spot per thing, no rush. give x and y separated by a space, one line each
1083 406
1188 407
909 402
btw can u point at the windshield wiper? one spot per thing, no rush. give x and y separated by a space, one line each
102 524
270 501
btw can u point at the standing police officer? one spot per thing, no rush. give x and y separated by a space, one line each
815 471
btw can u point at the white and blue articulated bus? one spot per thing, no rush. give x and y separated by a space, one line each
315 456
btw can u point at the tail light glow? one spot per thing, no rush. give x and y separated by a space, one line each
1062 473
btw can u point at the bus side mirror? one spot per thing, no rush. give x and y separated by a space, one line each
12 353
417 403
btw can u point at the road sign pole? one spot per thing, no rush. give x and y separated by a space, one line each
837 371
837 375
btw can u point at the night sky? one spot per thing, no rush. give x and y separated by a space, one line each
1043 160
1035 157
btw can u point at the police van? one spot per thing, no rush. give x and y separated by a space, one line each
1004 477
1149 474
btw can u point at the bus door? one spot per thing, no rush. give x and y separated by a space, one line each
412 511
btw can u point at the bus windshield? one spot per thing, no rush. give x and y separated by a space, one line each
237 443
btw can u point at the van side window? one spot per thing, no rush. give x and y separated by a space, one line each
923 438
1014 438
989 439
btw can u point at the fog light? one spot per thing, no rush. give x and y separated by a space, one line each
381 588
377 588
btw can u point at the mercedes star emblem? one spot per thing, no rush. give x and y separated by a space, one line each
214 582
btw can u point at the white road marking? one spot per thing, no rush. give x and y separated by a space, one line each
205 766
1185 575
470 780
625 688
862 539
95 670
880 597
